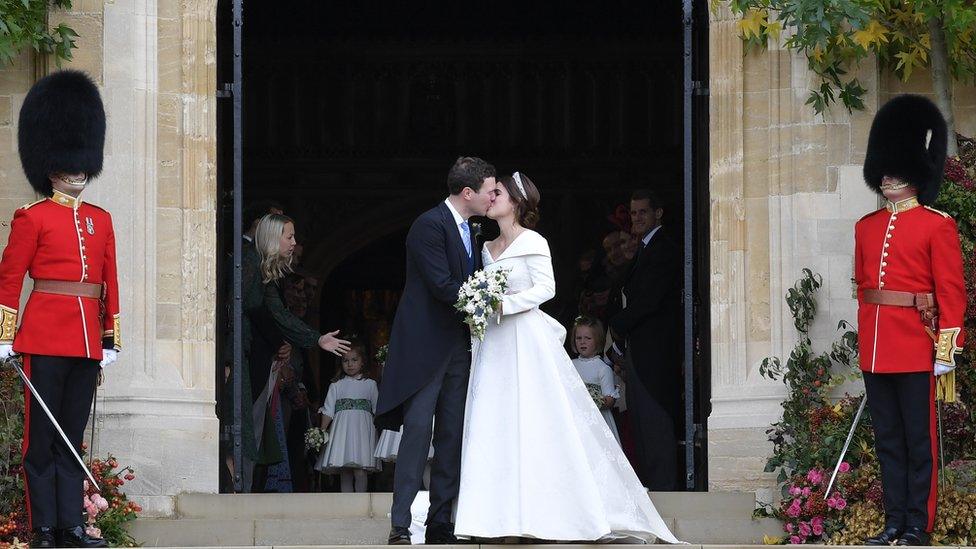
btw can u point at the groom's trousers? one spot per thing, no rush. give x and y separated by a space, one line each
435 410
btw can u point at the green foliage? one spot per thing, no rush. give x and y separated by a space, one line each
835 35
23 23
811 432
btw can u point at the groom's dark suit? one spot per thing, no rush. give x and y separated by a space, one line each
425 378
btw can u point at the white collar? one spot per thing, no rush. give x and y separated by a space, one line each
457 217
651 234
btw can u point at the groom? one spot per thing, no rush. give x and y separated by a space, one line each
425 379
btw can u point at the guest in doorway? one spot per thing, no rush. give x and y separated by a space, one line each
647 332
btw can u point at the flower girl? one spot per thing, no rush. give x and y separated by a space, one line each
588 339
348 408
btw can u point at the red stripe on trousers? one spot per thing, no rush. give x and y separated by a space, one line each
25 444
934 442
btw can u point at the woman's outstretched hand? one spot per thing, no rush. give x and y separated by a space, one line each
334 345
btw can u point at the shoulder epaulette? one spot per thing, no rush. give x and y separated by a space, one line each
940 212
32 204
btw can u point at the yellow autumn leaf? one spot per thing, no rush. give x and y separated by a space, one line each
752 23
817 54
921 54
774 29
837 408
771 540
903 17
906 62
873 33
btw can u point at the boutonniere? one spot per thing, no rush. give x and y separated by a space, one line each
476 230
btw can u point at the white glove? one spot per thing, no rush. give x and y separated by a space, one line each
108 356
6 351
941 369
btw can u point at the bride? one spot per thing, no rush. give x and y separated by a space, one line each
537 458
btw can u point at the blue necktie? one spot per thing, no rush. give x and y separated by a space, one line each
466 232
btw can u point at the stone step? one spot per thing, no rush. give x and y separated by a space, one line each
373 531
677 505
262 532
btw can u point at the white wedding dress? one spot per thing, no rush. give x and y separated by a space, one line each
537 459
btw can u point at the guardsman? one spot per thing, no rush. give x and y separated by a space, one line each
911 302
69 328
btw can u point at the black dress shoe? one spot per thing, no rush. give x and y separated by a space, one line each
913 537
76 537
889 536
399 536
440 533
43 537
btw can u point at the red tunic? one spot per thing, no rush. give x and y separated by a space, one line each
60 238
909 248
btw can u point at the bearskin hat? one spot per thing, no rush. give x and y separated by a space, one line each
62 129
908 140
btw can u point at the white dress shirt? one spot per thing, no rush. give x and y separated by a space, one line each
458 220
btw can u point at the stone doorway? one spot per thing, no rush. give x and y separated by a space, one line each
352 119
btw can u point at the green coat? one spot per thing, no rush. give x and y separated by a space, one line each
262 305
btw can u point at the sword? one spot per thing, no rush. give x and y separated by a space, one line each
847 444
64 437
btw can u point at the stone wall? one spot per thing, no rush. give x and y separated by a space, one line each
154 62
786 190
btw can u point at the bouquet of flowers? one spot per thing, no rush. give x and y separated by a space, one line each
480 297
381 354
596 393
315 438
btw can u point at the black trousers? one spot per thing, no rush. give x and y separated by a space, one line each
906 438
54 480
655 445
442 399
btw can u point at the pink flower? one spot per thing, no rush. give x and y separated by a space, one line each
93 532
815 476
789 527
804 529
845 467
100 502
795 540
806 492
795 490
818 529
841 503
794 509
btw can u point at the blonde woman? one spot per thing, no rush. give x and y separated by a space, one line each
275 242
268 325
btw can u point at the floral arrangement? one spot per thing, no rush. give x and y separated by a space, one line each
381 354
315 438
480 297
596 393
109 509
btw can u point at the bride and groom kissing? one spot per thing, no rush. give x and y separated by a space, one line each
520 450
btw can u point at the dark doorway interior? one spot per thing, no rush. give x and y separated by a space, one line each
354 111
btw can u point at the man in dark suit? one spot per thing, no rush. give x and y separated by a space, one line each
647 336
425 379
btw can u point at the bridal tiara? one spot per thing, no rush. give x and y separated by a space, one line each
518 183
